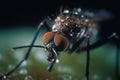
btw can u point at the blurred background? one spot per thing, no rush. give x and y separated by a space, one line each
18 23
27 13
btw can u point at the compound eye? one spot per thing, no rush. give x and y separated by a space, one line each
47 37
61 42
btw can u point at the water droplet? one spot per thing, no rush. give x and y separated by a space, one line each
28 77
68 77
10 66
23 71
66 11
57 61
4 76
79 9
24 63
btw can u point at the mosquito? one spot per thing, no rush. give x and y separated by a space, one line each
70 31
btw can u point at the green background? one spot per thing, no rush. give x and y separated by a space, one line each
70 67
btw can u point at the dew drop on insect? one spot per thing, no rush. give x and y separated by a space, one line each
114 34
79 10
57 61
23 71
86 20
28 77
66 11
82 16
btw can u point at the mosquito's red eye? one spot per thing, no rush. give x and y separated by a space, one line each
47 37
61 42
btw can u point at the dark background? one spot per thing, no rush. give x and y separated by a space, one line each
30 13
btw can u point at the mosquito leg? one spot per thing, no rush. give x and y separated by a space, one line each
26 56
55 60
33 41
51 65
117 58
10 72
27 46
99 42
76 45
87 59
56 55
